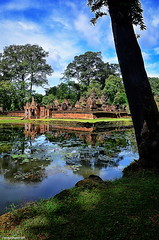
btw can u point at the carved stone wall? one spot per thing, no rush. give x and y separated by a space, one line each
16 114
83 109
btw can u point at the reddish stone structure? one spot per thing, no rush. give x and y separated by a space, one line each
16 114
32 130
86 108
34 110
73 115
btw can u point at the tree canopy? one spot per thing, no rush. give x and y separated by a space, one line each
24 66
69 90
89 68
114 89
8 97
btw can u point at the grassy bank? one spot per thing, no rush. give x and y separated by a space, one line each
10 120
123 209
18 120
86 120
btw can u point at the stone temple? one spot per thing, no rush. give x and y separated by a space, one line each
85 108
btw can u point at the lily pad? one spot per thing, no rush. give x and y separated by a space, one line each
19 156
26 160
22 155
15 156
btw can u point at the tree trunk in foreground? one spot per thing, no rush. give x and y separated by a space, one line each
143 108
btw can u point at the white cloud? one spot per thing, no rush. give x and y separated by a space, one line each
156 50
109 59
90 33
153 65
152 69
16 32
145 55
150 36
153 74
155 21
52 81
19 5
62 21
28 26
61 46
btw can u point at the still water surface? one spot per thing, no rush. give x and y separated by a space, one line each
39 161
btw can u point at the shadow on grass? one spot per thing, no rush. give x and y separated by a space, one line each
123 209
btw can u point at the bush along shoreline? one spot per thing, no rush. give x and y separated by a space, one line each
125 208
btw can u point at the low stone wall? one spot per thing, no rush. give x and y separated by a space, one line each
81 129
87 115
72 115
16 114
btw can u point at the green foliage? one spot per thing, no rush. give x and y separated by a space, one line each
114 89
131 9
154 81
69 90
12 207
48 100
24 66
89 68
120 99
52 90
63 91
8 96
94 87
37 97
157 101
5 147
19 156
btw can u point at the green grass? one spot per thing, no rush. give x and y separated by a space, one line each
9 120
17 120
123 209
86 120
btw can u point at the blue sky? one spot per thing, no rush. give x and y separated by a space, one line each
63 29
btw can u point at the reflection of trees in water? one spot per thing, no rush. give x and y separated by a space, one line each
21 170
89 157
92 151
96 150
15 165
8 133
14 136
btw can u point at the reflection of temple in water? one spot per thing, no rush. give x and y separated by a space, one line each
91 150
32 130
87 135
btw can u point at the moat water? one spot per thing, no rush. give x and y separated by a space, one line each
37 162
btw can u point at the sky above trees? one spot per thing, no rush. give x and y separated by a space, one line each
62 27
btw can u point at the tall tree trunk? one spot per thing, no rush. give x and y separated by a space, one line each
142 105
